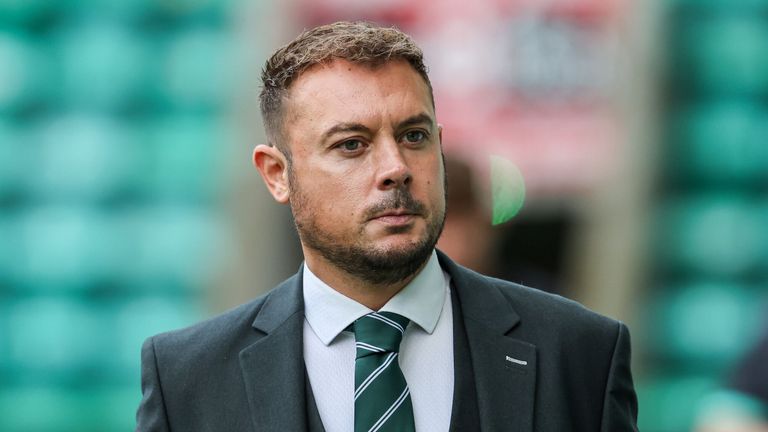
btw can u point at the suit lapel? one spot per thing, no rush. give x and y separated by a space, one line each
504 368
273 366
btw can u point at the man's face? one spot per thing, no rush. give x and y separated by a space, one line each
366 180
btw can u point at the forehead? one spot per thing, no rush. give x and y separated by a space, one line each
341 91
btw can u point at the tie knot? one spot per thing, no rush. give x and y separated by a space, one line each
379 332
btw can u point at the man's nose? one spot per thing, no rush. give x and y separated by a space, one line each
393 170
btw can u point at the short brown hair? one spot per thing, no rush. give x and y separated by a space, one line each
357 42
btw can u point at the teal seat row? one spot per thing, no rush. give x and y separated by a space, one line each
102 66
59 409
719 143
64 249
703 325
170 157
65 341
713 234
669 402
718 5
720 53
28 12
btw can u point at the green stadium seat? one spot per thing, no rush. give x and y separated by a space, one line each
14 158
182 158
728 5
63 249
116 407
23 70
190 9
83 158
121 11
728 52
46 408
103 66
52 338
763 215
723 404
5 364
198 70
713 234
25 11
668 403
706 325
177 246
722 143
41 409
9 251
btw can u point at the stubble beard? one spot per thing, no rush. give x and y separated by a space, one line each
380 267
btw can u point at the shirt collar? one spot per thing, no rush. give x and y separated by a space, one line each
329 312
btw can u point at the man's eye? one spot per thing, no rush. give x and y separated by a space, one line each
351 145
415 136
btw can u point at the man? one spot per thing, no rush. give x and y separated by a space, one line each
378 331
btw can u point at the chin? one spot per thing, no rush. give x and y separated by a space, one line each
399 242
381 256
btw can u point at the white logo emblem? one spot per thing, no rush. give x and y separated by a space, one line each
518 361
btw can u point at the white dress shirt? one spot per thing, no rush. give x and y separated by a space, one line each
426 352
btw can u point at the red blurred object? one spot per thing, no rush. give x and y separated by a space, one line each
529 80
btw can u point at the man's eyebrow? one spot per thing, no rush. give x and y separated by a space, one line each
345 127
416 120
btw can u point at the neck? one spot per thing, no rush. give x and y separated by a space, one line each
373 296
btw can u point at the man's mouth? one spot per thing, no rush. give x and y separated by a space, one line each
398 210
395 217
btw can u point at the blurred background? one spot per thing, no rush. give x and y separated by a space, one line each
128 204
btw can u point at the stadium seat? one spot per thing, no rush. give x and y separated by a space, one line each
715 5
80 409
191 10
9 252
103 66
705 325
721 143
83 158
14 159
177 246
712 234
52 338
181 158
668 402
63 249
25 12
198 70
23 72
42 409
729 53
124 12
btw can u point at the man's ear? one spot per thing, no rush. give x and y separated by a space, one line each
273 167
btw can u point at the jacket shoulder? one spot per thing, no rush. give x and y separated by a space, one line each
227 332
551 308
218 331
541 312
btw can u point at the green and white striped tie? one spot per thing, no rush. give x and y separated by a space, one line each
382 398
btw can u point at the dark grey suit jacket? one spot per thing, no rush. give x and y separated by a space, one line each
538 363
